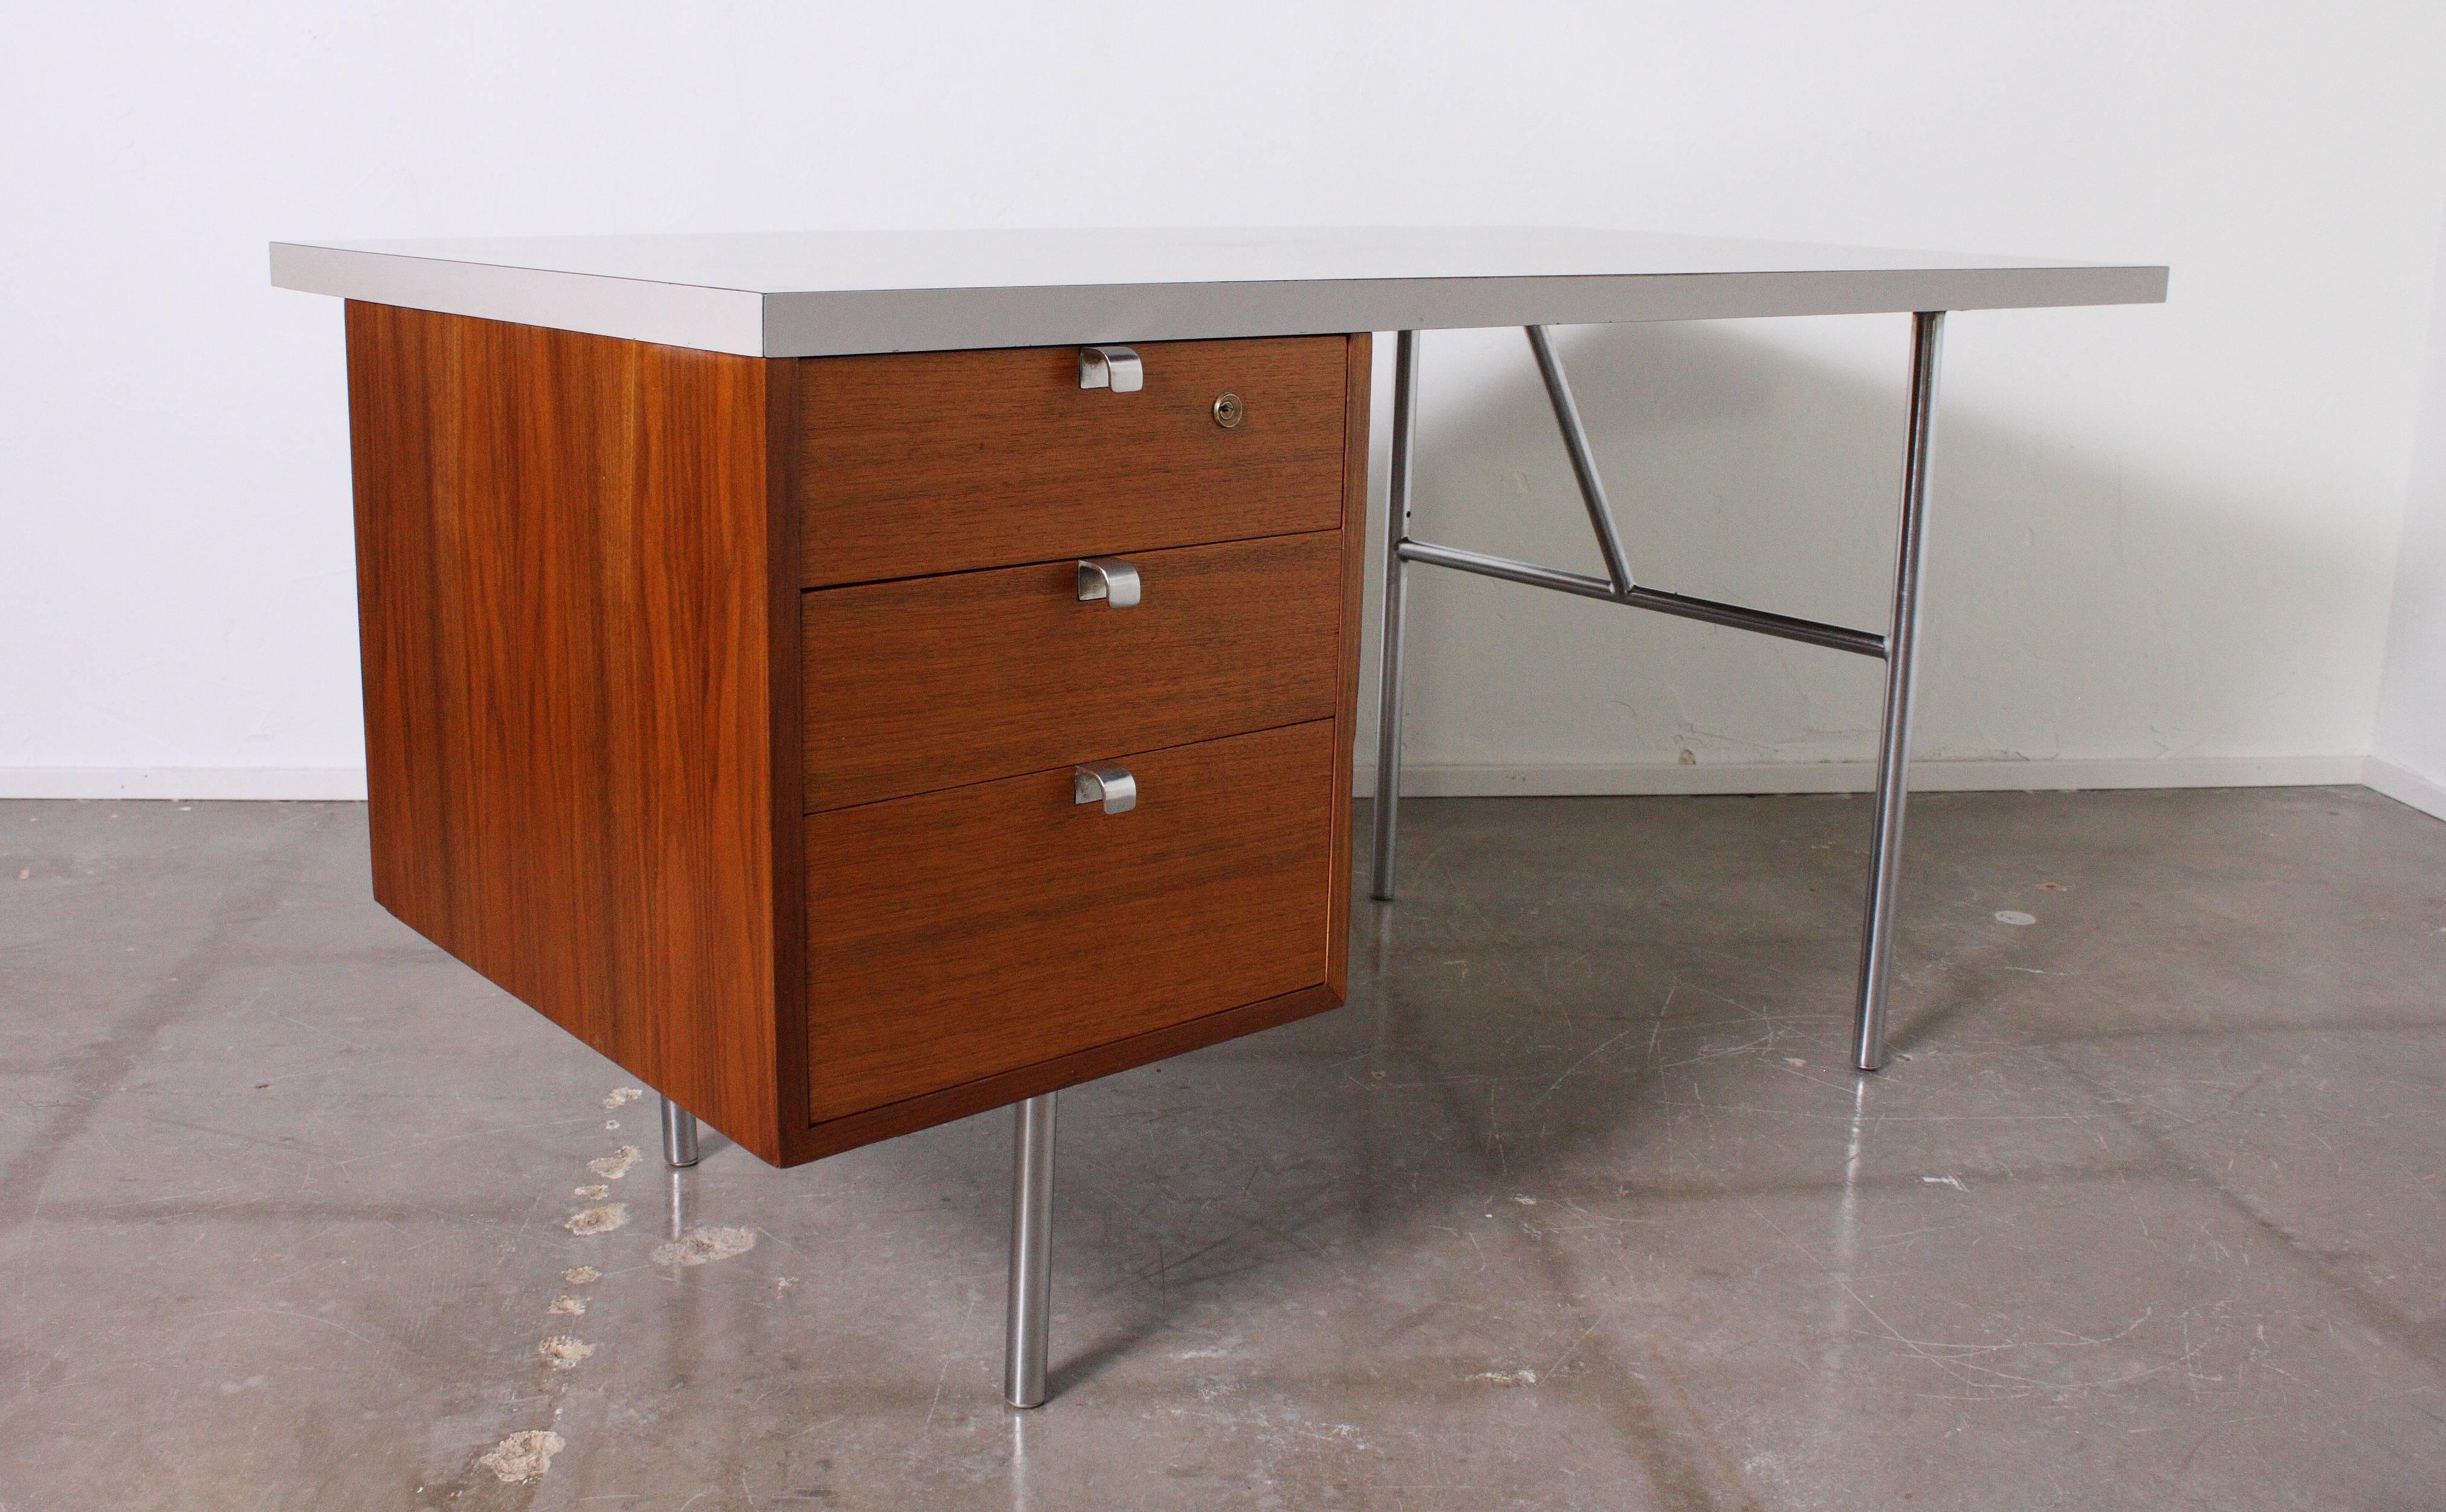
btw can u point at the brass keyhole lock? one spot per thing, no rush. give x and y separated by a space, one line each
1228 411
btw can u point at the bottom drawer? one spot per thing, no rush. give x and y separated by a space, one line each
955 935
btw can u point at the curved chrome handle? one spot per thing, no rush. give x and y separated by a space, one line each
1110 784
1110 579
1114 368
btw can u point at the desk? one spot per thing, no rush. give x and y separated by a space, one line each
854 680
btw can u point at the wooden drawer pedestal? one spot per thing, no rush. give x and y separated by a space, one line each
724 709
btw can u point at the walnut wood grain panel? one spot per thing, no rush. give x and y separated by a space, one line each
926 462
962 935
574 690
941 682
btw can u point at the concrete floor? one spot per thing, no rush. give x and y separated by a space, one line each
1575 1206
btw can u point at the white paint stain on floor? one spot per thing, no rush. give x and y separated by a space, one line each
1523 1377
621 1094
702 1246
601 1219
523 1458
581 1276
567 1307
614 1165
564 1352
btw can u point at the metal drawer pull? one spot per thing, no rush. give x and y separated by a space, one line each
1114 368
1110 579
1111 785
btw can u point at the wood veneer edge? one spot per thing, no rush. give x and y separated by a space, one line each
1360 376
787 718
869 1125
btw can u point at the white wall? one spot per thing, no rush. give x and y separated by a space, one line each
2409 757
2163 535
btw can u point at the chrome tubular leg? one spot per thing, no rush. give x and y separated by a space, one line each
1397 586
1031 1264
1893 740
679 1136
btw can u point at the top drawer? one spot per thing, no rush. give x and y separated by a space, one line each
922 462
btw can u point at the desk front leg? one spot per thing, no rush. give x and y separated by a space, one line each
1894 742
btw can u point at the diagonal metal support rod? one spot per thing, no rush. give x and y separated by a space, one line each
1584 463
1896 648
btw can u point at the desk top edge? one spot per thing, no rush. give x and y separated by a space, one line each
787 294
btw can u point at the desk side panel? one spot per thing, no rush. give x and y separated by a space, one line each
566 597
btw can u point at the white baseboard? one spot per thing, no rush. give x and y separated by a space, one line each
2406 786
1457 780
290 783
1443 780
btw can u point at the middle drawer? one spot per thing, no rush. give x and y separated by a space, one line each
939 682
